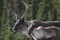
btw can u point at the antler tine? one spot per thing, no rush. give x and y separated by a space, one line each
25 4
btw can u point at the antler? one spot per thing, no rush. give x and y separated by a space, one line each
25 4
17 16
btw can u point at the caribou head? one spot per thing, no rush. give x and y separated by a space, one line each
18 17
18 20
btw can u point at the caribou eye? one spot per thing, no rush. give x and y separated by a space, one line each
14 20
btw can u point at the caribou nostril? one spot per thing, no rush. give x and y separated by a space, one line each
13 30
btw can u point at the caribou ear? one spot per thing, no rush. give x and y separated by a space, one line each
14 18
21 20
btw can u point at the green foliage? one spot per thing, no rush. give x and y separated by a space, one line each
46 10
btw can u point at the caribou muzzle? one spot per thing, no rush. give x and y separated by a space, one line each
13 29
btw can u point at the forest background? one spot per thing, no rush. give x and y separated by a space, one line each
44 10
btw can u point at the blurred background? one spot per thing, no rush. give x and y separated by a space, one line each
45 10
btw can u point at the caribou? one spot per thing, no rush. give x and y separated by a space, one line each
44 30
39 32
36 29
